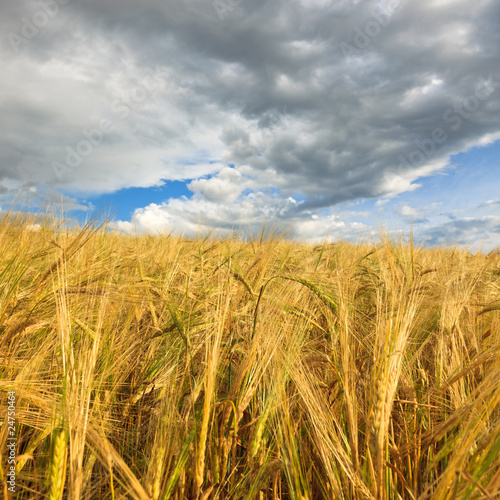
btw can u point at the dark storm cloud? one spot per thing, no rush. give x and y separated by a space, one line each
332 100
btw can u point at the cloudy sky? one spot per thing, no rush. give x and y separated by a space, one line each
324 117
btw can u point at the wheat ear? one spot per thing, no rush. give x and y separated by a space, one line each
58 467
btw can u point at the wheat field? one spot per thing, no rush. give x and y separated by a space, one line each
163 367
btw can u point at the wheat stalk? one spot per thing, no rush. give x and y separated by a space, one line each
57 475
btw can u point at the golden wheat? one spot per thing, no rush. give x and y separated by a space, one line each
57 475
239 369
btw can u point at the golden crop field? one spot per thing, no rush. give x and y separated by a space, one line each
161 367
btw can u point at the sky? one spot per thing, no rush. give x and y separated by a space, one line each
324 118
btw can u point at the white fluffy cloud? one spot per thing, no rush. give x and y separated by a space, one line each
225 187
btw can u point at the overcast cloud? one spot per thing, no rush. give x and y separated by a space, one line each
267 109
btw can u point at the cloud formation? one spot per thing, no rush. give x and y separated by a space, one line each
319 102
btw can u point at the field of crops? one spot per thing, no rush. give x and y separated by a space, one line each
161 367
